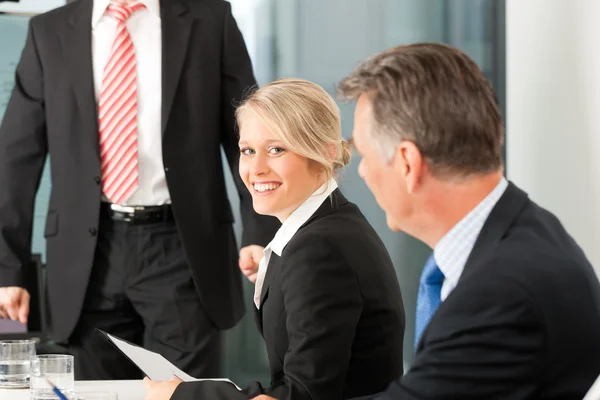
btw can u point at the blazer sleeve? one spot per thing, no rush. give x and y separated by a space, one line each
323 304
487 342
237 79
23 151
208 390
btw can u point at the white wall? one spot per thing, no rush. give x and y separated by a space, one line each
553 110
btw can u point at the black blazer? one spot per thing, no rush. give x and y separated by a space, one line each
205 70
523 321
331 314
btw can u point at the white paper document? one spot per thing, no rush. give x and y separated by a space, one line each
155 366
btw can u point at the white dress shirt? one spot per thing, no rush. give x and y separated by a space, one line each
288 229
144 27
453 250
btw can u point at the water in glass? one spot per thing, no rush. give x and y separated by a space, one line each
15 358
57 369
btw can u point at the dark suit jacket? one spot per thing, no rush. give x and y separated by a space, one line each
523 321
331 313
205 70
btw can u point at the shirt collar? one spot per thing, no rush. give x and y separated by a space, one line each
299 217
453 250
100 7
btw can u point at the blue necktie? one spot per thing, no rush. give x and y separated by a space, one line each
429 297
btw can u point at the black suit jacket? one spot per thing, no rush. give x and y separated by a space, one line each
331 313
205 70
523 321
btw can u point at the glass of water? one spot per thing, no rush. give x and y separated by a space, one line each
15 357
95 396
57 369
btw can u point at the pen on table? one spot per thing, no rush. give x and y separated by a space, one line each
56 391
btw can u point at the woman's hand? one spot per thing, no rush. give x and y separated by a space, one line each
160 390
250 257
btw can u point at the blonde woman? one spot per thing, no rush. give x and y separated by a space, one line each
327 299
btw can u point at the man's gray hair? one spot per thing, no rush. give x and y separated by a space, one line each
436 97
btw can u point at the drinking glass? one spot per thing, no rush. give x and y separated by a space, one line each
15 358
56 369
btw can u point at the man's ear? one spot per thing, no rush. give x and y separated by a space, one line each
408 162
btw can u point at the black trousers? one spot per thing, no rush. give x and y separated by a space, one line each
141 290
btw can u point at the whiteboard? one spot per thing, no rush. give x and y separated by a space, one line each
30 6
13 32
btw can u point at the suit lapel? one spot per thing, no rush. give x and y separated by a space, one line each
273 265
76 40
336 200
504 213
258 319
498 222
264 294
177 22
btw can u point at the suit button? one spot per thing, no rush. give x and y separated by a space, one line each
93 231
166 169
97 180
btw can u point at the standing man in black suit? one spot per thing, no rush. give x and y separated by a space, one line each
508 305
132 101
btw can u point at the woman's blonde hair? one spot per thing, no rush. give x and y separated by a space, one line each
305 117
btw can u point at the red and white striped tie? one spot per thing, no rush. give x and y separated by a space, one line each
117 112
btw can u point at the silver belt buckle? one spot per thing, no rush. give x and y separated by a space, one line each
122 209
129 211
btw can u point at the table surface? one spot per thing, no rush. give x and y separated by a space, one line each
126 390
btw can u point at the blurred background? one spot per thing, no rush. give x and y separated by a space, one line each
322 40
540 55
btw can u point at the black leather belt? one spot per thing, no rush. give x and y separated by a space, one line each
136 215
